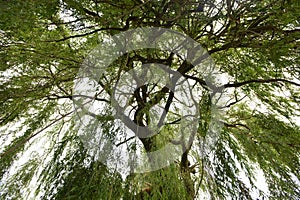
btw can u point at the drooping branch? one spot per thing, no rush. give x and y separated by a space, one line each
23 141
239 84
228 85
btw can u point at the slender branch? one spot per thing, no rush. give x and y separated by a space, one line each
74 96
228 85
85 34
132 137
174 122
236 125
233 103
239 84
13 148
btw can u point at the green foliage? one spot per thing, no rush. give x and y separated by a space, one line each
95 182
254 44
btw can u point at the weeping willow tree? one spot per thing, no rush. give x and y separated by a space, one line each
51 149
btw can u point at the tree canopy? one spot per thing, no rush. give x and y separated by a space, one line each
254 48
